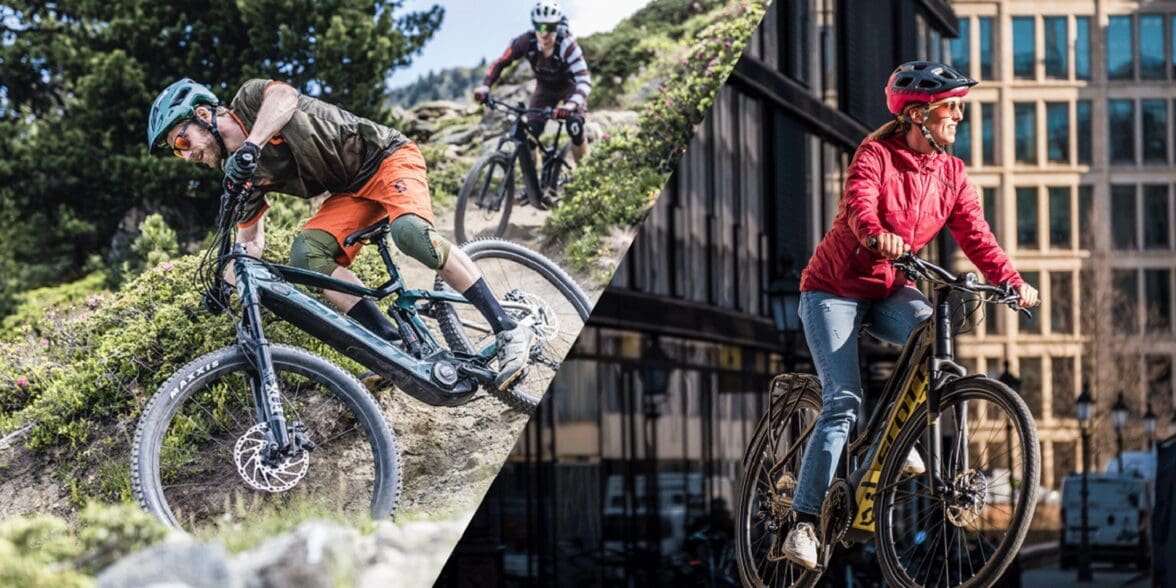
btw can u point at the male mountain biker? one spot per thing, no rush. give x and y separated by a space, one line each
561 73
901 189
285 142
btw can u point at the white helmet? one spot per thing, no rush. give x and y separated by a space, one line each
546 11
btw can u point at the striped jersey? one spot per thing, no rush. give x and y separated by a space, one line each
565 68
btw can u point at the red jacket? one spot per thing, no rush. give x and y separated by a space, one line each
893 188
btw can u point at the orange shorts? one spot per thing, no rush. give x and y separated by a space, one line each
400 187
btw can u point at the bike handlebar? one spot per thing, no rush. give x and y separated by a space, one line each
917 268
520 110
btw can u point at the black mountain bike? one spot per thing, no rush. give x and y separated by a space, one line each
258 426
489 190
960 523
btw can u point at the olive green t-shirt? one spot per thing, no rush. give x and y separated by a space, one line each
322 148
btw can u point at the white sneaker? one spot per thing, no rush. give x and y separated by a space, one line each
914 464
800 546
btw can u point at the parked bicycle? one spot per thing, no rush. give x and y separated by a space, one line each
489 191
961 522
236 430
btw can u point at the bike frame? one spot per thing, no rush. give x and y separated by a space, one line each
521 136
425 370
927 365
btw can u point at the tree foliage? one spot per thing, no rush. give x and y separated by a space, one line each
77 78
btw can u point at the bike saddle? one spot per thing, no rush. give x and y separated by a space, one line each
368 233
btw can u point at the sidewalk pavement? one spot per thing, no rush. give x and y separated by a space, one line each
1104 577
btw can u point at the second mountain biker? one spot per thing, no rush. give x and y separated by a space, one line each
561 72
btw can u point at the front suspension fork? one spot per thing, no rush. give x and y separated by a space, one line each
267 396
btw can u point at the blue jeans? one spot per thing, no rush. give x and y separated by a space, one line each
831 326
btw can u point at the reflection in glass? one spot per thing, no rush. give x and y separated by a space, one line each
1025 127
986 69
1057 120
1123 216
1082 47
1084 138
1120 58
988 132
1059 217
1125 301
1024 45
1085 213
1056 48
960 55
990 211
1121 130
1157 287
1027 218
1155 130
1155 216
1151 46
1061 297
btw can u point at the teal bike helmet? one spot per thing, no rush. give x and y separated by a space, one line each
176 103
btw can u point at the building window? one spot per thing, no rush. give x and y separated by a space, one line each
1155 217
1056 47
1025 123
986 69
1062 375
1030 324
1121 130
960 46
988 133
1082 47
1085 214
1120 49
1057 120
1027 218
797 43
1031 383
1061 302
1151 46
990 211
1157 288
1123 216
1155 130
935 46
1126 300
1083 136
1024 44
963 143
1059 217
1173 56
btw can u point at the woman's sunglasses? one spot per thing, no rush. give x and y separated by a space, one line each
544 27
181 143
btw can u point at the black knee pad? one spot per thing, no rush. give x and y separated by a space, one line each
576 129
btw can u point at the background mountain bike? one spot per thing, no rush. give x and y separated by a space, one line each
489 191
257 426
961 522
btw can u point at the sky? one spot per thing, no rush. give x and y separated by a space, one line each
474 29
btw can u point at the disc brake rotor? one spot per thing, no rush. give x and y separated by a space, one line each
546 322
249 453
972 497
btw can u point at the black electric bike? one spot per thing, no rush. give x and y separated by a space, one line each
960 523
258 426
489 191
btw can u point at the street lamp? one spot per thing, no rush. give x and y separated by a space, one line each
784 297
1084 404
1149 426
656 369
1119 415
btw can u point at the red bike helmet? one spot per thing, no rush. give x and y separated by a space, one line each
924 82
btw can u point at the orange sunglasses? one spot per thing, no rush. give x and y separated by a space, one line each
181 143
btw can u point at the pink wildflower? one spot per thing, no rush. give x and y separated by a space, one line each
22 383
166 266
